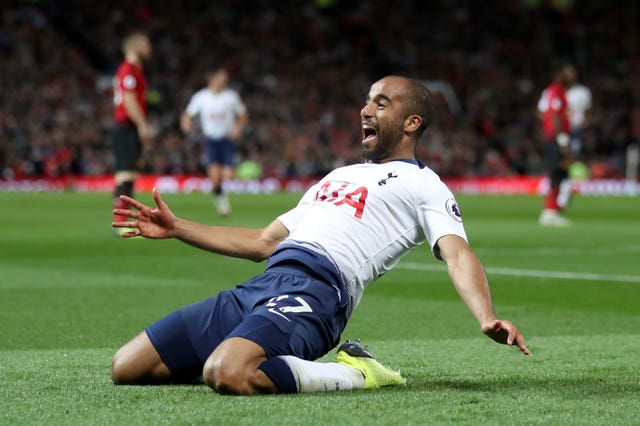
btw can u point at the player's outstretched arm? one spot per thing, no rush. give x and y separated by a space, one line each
159 223
470 280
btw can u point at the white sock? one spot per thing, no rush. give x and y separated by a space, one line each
564 193
323 376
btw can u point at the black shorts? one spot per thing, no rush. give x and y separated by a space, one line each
555 161
127 147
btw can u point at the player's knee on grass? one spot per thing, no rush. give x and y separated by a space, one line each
232 368
127 370
121 373
137 362
227 376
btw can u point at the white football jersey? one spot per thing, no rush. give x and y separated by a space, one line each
218 111
366 217
579 100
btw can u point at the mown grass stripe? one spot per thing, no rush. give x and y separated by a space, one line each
564 275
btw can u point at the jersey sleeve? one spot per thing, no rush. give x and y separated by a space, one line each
586 93
240 107
293 216
543 102
556 100
193 108
439 214
128 81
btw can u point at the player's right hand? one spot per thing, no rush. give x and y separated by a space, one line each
503 331
145 134
148 222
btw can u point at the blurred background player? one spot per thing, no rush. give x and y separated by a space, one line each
579 102
223 117
131 132
557 151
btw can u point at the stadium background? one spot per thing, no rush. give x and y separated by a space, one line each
303 68
71 293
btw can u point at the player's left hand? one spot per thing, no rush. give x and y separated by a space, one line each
235 133
503 331
148 222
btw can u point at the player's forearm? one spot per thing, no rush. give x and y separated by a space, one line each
243 243
134 110
185 122
242 121
471 283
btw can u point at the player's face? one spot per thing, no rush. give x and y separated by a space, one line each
569 76
382 119
144 48
219 80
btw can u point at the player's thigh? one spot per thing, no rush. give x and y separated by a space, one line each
554 163
187 337
227 153
211 151
301 316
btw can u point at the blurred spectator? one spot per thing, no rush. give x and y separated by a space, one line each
304 68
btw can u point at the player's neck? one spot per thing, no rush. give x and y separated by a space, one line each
133 58
404 151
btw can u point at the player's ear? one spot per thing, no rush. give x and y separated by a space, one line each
412 123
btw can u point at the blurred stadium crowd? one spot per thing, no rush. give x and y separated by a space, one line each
303 69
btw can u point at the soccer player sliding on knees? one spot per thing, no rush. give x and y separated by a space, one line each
354 225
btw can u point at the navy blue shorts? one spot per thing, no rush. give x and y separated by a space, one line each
218 151
285 310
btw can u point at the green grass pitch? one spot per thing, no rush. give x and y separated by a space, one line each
71 294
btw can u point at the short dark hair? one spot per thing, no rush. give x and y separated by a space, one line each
419 103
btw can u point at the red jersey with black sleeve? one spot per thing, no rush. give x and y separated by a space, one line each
128 78
556 106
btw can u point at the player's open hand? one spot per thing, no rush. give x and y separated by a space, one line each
503 331
149 222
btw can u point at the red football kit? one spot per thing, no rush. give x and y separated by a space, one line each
129 78
556 105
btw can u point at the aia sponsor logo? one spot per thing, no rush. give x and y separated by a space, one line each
341 194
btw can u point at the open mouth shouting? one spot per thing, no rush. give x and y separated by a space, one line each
369 134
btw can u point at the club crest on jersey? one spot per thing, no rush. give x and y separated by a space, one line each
390 175
453 209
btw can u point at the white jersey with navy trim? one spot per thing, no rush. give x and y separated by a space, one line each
366 217
218 111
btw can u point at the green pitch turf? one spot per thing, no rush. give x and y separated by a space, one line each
71 294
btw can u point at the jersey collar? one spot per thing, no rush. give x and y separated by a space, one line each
410 161
405 160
